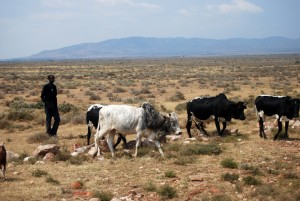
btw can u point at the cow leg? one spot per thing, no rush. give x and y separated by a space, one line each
188 126
110 140
224 127
202 129
218 125
98 136
124 140
97 145
89 135
118 141
157 143
138 142
279 128
286 129
261 128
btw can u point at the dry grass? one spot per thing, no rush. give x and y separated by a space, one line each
263 169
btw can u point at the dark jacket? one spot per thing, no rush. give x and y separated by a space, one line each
48 96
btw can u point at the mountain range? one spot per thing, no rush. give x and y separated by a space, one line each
171 47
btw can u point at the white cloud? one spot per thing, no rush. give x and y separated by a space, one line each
236 6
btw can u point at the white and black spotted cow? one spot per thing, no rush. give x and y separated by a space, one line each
145 121
92 119
283 107
218 107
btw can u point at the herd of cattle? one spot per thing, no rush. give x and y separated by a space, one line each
146 122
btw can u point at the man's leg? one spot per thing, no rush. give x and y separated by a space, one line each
56 122
48 120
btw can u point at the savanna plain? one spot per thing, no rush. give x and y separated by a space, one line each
237 166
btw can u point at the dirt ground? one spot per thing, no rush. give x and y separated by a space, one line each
262 169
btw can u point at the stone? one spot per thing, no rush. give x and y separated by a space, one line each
49 157
42 150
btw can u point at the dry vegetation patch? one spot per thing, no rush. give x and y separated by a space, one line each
240 166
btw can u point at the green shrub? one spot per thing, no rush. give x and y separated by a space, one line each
39 173
249 180
38 138
20 115
180 107
170 174
150 187
103 195
183 160
51 180
167 191
230 177
229 163
67 107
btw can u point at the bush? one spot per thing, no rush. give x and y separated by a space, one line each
39 173
249 180
230 177
229 163
67 107
180 107
170 174
20 115
167 191
183 160
150 187
201 149
38 138
103 196
51 180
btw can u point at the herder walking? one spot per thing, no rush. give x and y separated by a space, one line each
48 97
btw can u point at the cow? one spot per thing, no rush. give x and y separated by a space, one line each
283 107
218 107
92 118
145 121
2 159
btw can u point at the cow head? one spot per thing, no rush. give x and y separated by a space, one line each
174 123
238 110
170 124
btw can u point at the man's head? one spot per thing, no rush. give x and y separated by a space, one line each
51 78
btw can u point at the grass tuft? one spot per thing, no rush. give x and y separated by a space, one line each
229 163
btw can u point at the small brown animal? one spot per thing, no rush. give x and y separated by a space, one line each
2 159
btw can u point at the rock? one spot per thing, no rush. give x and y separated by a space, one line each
83 149
296 124
11 155
49 157
40 163
191 139
196 178
26 159
42 150
76 185
186 142
92 151
75 153
234 131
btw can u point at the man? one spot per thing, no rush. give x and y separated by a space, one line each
48 96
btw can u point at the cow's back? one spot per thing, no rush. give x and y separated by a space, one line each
271 105
201 107
123 118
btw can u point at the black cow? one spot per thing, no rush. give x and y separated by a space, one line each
92 118
218 107
284 107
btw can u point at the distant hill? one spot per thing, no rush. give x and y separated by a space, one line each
170 47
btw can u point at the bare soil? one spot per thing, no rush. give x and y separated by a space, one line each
272 166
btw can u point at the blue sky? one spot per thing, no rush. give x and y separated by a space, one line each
31 26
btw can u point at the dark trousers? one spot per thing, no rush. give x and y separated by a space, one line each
49 114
